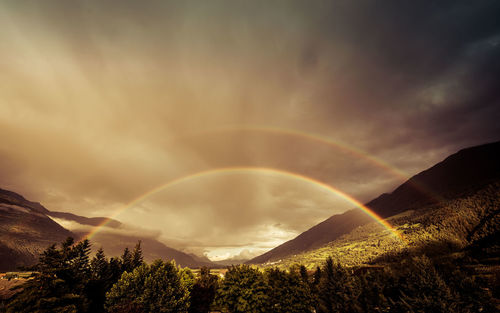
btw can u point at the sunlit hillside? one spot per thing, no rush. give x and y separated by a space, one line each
456 227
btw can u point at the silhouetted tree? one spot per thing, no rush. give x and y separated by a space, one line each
137 258
372 288
126 261
303 274
316 279
115 269
100 282
203 291
59 285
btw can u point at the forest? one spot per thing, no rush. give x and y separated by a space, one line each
68 279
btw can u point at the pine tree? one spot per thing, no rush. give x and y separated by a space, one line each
80 261
126 261
316 279
99 265
115 269
100 282
137 257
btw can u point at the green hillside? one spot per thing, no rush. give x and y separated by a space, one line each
467 226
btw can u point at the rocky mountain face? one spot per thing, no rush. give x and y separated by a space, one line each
465 171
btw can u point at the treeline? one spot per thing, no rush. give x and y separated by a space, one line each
68 280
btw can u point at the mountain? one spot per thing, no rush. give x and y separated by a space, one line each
26 230
90 221
317 235
465 171
230 262
9 197
466 228
114 244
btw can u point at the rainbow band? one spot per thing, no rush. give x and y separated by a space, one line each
262 170
315 138
358 153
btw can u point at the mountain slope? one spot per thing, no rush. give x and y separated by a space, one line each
114 244
467 170
90 221
322 233
26 230
10 197
468 225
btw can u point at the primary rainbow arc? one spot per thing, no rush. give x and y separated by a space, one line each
262 170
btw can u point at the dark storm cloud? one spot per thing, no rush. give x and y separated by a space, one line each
398 50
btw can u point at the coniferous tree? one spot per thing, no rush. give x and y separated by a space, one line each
303 274
100 282
423 289
59 285
372 288
115 269
137 257
126 261
336 289
316 279
99 265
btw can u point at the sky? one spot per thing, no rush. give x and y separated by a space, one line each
103 101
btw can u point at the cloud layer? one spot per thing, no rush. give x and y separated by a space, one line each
101 102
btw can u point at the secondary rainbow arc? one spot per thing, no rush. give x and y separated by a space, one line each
314 137
261 170
342 146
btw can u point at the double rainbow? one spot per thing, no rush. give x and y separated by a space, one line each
244 170
321 139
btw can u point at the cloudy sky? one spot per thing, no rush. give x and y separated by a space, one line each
103 101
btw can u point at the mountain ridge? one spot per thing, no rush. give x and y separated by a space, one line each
445 179
27 229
